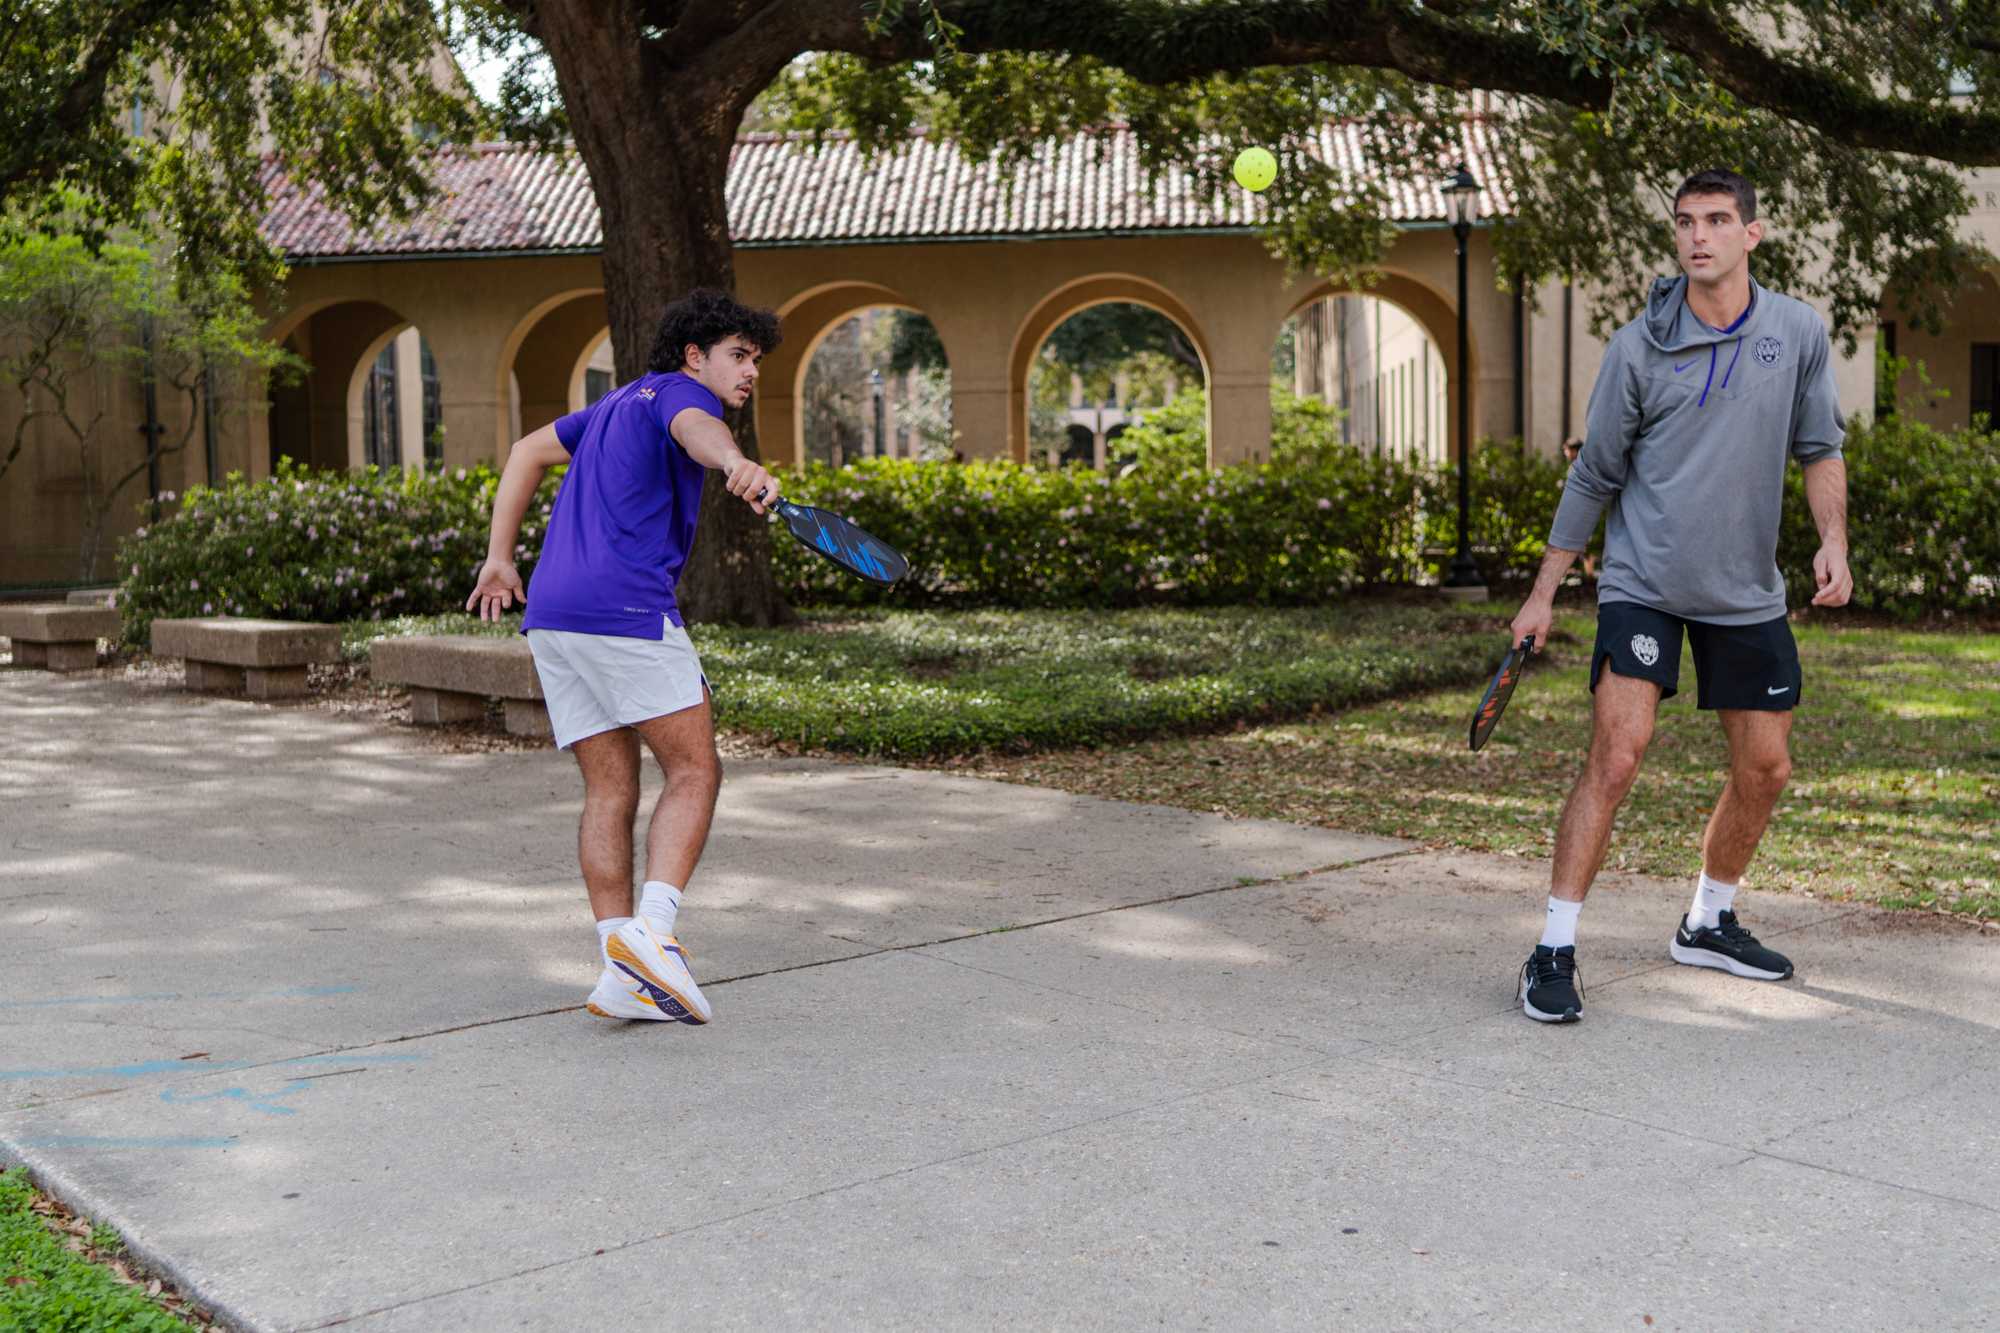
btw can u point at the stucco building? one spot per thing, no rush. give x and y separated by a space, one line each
438 342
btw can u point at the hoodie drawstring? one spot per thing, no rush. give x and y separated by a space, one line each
1725 374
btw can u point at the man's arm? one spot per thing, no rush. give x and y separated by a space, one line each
1538 610
499 585
709 443
1826 493
1596 476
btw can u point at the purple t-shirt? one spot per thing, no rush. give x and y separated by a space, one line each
624 518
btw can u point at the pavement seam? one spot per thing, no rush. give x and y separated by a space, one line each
1285 878
880 951
1872 1180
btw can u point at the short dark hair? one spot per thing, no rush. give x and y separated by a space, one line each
704 317
1717 181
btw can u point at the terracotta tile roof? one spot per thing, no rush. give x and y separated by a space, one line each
508 197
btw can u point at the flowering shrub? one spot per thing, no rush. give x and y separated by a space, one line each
328 546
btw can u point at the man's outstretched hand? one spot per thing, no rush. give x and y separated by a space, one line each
749 481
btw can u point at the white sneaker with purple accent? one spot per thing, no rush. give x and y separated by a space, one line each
659 968
618 996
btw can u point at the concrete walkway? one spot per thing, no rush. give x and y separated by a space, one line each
293 1003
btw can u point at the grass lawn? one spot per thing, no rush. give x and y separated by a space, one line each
1355 716
911 685
1895 793
924 684
48 1282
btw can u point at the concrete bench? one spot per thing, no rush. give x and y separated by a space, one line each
57 636
451 676
265 659
93 597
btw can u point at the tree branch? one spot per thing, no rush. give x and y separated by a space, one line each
83 96
1165 41
1168 41
1728 54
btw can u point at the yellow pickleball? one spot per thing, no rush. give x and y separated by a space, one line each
1256 169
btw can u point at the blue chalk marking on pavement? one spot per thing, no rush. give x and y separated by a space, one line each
256 1101
105 1141
163 997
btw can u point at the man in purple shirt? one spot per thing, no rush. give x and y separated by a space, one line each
614 658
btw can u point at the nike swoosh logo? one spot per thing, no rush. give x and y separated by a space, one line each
1680 368
1781 689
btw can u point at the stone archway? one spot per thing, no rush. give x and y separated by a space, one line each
1435 315
1067 300
579 396
780 398
539 359
318 421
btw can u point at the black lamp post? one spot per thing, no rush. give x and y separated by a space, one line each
1461 194
875 387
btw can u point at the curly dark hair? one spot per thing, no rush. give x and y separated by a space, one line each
705 317
1717 181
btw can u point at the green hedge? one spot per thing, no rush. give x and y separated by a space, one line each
1923 523
1286 533
330 546
1324 519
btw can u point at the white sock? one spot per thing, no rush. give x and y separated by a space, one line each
1711 899
1560 927
660 903
604 929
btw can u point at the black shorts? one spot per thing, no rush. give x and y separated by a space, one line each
1735 666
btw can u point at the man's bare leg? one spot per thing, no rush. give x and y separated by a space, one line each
610 765
1622 715
684 745
646 949
1760 763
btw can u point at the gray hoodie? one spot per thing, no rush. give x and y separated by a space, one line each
1686 440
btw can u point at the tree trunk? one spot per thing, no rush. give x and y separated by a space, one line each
657 140
728 578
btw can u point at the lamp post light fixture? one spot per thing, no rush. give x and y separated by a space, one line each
1463 583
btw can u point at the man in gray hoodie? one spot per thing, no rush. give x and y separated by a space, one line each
1699 404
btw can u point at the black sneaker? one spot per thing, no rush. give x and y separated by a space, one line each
1549 993
1731 948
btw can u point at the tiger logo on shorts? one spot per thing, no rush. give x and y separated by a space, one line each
1646 648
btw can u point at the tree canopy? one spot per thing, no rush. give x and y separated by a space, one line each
1854 119
1853 116
155 114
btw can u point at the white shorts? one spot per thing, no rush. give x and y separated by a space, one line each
600 682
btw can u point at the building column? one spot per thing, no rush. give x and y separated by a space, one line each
777 415
471 403
1239 416
410 400
983 411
